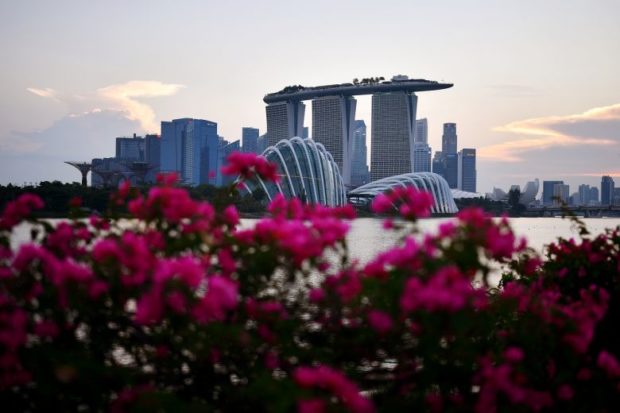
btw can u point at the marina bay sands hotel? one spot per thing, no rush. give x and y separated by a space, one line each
394 106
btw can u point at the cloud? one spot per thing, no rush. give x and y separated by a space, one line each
40 155
44 93
597 126
124 95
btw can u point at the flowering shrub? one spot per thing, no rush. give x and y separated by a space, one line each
181 309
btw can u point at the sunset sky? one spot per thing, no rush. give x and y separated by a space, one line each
536 83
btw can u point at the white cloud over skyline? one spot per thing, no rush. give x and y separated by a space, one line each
123 97
551 131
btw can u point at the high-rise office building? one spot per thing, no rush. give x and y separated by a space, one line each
607 190
262 143
393 123
153 156
438 164
190 147
446 161
249 140
333 119
547 195
449 138
467 170
421 131
284 120
447 165
421 157
583 193
306 132
594 198
359 163
616 200
130 149
451 162
225 150
560 194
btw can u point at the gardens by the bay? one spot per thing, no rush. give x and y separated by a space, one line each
182 309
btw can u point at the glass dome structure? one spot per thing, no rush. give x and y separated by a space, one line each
425 181
307 171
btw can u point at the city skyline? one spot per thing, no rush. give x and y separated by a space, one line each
537 98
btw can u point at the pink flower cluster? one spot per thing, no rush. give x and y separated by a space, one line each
13 335
446 290
175 205
302 232
503 379
248 164
497 238
19 209
326 378
410 202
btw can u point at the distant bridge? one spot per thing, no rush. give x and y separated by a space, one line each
593 211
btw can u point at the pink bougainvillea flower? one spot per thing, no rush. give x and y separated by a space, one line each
249 164
17 210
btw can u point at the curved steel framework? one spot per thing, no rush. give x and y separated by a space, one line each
307 171
426 181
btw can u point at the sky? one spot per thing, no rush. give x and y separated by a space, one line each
536 83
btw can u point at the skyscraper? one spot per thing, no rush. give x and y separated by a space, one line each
249 140
583 192
421 157
225 150
130 149
393 123
333 120
547 195
285 120
421 130
467 170
359 164
593 199
262 143
153 156
421 150
448 139
607 190
190 148
560 194
451 162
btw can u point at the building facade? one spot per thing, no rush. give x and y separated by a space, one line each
421 157
359 164
547 195
449 138
607 190
249 140
130 149
393 124
190 148
560 194
333 120
421 131
153 156
285 120
225 150
467 170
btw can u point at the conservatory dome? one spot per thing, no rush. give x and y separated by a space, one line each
425 181
307 171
